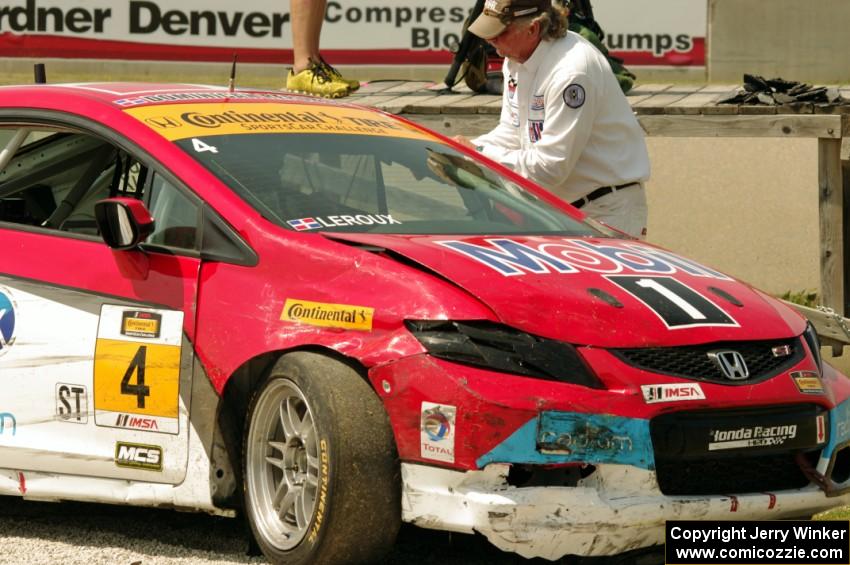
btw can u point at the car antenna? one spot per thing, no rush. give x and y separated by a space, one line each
40 74
232 82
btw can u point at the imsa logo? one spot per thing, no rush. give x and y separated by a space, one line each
138 422
653 394
138 456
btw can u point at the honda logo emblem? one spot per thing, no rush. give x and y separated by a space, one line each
731 364
163 122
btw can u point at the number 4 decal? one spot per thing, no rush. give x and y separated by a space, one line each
137 368
678 305
139 390
199 146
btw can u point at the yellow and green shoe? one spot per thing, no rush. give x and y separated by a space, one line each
316 80
336 75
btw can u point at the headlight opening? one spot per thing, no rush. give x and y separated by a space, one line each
497 347
810 336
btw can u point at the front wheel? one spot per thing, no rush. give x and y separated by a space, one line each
321 473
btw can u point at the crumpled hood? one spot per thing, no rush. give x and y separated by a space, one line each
599 292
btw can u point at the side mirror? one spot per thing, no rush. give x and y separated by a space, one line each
123 222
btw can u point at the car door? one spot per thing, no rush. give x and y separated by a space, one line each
95 344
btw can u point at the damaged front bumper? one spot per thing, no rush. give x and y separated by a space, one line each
617 509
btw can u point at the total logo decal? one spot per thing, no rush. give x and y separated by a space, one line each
437 432
653 394
7 320
318 222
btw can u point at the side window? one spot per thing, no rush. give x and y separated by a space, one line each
175 216
53 179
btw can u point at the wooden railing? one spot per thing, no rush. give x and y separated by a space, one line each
832 328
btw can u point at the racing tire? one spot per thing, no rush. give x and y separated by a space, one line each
320 467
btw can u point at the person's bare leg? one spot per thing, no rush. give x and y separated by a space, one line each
317 18
306 17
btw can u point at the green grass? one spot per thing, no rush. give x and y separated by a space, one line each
803 297
841 513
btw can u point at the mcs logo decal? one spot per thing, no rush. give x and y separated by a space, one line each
138 456
7 320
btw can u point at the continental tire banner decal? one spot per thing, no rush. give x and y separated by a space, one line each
401 32
323 314
184 121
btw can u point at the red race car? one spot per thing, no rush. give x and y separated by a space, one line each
335 320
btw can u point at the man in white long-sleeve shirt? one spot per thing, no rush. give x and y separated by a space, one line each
565 122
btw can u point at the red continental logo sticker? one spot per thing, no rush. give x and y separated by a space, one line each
328 315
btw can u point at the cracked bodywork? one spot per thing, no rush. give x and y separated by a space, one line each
612 502
619 510
500 359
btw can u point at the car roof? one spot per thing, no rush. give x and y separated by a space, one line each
123 102
130 94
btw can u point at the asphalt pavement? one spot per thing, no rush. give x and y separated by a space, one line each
44 533
70 533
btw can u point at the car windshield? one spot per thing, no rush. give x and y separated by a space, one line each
366 183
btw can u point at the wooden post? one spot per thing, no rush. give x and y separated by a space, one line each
845 169
831 212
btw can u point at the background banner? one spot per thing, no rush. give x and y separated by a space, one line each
367 32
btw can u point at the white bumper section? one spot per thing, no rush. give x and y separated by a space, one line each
617 509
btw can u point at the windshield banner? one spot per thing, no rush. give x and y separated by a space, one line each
184 121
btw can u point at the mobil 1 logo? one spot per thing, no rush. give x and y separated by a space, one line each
72 403
678 305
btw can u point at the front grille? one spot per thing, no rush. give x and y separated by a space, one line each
693 362
737 475
691 459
